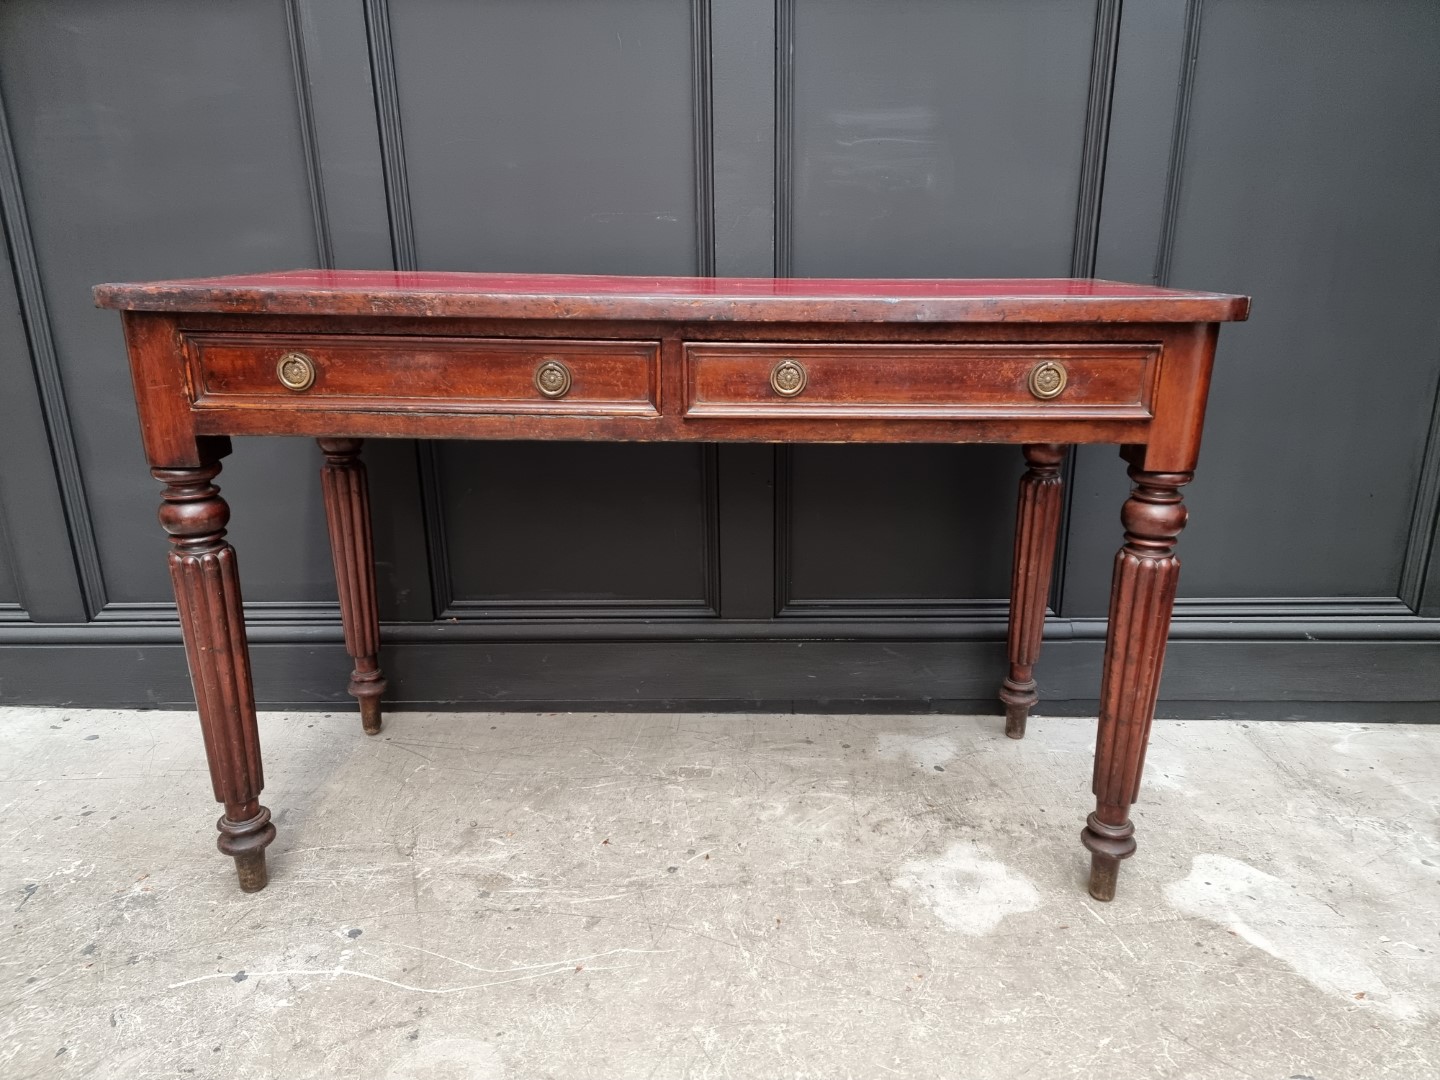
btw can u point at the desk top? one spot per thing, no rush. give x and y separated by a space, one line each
688 299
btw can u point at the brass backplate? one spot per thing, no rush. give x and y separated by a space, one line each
552 378
1047 379
296 371
788 378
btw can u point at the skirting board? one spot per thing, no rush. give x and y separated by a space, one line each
1321 680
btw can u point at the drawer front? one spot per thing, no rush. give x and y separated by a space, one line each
493 375
920 381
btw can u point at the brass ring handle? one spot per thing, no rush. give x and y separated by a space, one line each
1047 379
788 378
552 378
296 371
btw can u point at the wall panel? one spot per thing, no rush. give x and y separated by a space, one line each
1287 148
1322 401
549 137
161 140
910 528
9 594
926 139
1301 170
618 529
590 166
935 139
35 544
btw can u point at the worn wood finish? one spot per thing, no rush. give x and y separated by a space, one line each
1037 524
918 381
207 592
346 355
1141 601
347 512
489 376
684 299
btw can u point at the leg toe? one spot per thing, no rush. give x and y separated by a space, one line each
252 872
370 716
1104 870
1015 717
1018 699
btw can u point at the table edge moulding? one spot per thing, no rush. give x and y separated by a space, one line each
342 356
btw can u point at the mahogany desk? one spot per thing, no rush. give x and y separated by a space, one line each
348 355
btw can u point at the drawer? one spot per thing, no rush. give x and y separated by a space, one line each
920 381
492 375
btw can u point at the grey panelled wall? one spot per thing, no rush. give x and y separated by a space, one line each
1305 174
176 151
1353 301
1287 148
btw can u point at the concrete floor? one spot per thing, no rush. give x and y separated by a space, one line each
480 896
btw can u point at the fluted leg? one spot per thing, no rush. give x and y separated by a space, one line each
1141 598
207 592
1037 522
347 509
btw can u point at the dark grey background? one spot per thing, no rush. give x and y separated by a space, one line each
1285 148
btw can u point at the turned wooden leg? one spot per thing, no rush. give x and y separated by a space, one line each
1037 522
347 509
207 592
1141 598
